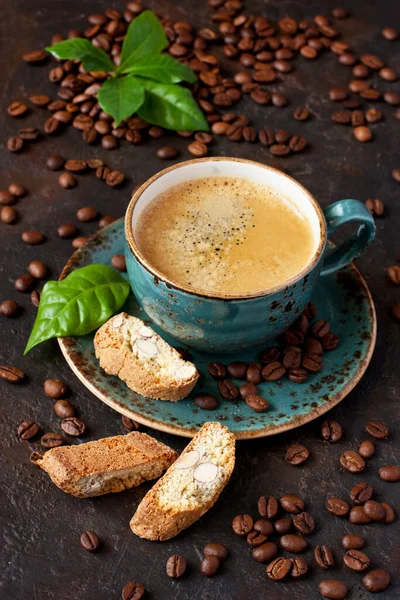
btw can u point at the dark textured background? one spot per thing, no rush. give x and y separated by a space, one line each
40 554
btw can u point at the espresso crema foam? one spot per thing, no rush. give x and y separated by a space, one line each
224 235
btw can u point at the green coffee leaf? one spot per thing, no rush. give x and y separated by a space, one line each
162 68
93 59
120 97
171 107
145 36
78 304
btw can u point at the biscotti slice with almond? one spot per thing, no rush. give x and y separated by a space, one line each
128 348
190 487
108 465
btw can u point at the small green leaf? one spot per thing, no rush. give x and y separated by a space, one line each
145 36
93 59
171 107
78 304
162 68
120 97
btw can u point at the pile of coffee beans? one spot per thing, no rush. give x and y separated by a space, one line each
300 355
214 555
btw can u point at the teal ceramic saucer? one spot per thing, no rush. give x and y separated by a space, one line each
343 299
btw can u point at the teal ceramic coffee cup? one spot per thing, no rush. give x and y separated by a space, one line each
225 323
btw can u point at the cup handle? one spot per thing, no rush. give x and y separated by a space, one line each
336 215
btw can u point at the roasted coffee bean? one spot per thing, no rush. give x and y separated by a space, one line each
11 374
40 100
337 507
9 308
353 542
312 362
86 214
390 33
76 166
24 283
210 565
176 566
247 389
278 99
304 523
237 369
324 557
362 133
66 230
228 389
293 337
389 473
297 143
206 401
257 403
268 506
8 215
310 311
63 409
109 142
279 150
167 152
356 560
118 262
32 237
129 424
265 552
376 581
52 440
297 375
375 207
291 358
299 567
51 126
389 513
377 429
90 541
340 13
35 56
114 178
242 524
35 298
18 190
279 568
73 426
255 538
273 371
253 373
358 516
341 117
7 198
292 504
293 543
15 144
373 115
79 242
388 74
38 269
366 449
396 175
330 341
270 355
17 109
374 510
67 181
333 589
283 526
308 52
55 162
264 526
133 591
320 328
55 388
351 461
215 549
394 274
29 134
297 454
301 113
198 149
217 370
331 431
337 94
106 220
28 429
392 98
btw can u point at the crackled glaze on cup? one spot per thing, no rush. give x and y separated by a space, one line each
222 323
